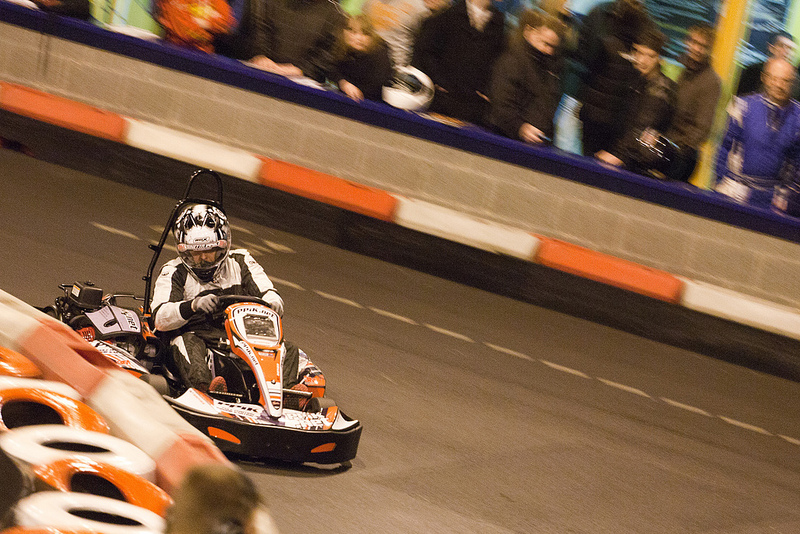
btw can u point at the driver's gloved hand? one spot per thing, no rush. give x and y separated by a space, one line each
274 301
205 303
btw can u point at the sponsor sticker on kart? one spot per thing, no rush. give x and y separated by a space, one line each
256 414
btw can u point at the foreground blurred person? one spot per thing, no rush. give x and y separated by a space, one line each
218 499
762 137
526 86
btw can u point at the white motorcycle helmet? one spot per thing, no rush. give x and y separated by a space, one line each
410 89
203 239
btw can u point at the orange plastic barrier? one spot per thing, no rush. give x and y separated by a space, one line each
328 189
71 412
64 356
62 112
61 475
13 363
609 270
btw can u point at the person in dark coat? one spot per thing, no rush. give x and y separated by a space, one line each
610 81
654 106
362 64
457 49
696 96
526 87
286 37
79 9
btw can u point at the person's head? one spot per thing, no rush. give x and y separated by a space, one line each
781 46
626 8
214 499
778 78
203 239
541 30
699 40
359 34
647 51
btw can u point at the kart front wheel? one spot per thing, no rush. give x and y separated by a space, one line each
317 404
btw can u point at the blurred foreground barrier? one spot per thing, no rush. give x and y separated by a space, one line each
133 410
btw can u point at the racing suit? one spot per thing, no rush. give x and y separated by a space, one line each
176 287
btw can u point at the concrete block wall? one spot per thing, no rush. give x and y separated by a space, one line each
649 234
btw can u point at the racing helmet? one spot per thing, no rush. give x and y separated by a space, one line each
409 89
203 239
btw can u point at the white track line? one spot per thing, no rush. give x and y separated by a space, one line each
509 351
341 300
116 231
166 246
623 387
277 247
686 407
793 441
569 370
287 283
260 248
241 229
393 316
746 426
449 333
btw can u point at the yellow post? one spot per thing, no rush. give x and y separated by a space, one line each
731 26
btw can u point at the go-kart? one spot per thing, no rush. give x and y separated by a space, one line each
252 418
255 417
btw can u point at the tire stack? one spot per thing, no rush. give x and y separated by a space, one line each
61 468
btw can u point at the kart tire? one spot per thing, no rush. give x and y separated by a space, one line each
317 404
81 475
158 382
21 407
13 363
14 382
43 444
81 511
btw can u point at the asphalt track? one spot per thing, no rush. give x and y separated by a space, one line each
480 413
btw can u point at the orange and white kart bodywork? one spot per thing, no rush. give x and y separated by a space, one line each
252 419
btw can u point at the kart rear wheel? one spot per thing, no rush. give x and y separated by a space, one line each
317 404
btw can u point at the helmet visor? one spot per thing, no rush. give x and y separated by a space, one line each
203 255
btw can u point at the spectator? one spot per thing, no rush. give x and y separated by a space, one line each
79 9
396 21
193 23
433 7
458 50
696 97
763 134
781 46
287 37
526 89
610 81
361 62
653 107
217 499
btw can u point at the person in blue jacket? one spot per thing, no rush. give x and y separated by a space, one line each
762 139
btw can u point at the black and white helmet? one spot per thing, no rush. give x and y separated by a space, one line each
409 89
201 229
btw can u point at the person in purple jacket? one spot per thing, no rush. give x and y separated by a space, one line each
762 138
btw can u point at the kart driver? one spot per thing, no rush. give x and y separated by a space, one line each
188 288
